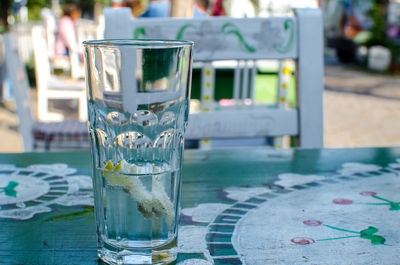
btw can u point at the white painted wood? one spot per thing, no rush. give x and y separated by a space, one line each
310 77
20 87
253 80
118 23
245 80
130 99
207 87
246 39
50 87
236 81
223 124
19 80
207 95
215 38
284 78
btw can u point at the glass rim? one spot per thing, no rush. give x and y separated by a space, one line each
139 43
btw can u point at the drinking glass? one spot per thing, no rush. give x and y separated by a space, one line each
138 93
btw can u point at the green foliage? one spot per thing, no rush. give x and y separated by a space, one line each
31 3
378 30
105 2
34 8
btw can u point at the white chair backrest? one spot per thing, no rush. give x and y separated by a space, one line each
41 59
20 87
41 56
296 37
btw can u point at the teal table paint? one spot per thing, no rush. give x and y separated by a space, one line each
239 206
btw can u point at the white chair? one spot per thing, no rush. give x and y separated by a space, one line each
86 30
246 40
39 136
50 87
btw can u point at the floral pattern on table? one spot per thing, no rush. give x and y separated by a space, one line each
318 216
25 192
234 236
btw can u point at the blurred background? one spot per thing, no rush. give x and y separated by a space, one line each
362 57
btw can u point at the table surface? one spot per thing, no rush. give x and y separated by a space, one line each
239 206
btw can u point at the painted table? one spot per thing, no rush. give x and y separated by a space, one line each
240 206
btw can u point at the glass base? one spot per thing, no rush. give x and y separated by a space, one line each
165 254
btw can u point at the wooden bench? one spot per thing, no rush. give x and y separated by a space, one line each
246 41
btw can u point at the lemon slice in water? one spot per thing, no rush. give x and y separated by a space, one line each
154 203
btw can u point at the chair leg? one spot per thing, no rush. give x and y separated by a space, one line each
42 107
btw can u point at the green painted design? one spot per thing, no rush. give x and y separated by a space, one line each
229 28
369 231
394 206
343 230
179 35
379 198
372 203
369 234
366 234
335 238
138 32
9 190
287 25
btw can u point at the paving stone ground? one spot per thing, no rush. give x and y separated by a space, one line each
361 109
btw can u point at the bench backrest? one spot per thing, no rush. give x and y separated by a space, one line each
246 41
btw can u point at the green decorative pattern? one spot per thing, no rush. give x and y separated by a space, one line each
369 234
394 206
288 26
9 190
179 35
229 28
138 32
366 233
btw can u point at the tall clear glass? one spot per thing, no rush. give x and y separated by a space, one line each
138 93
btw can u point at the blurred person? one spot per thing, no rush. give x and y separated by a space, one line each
218 8
350 24
66 37
200 8
233 8
138 7
157 8
117 3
